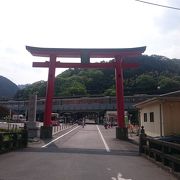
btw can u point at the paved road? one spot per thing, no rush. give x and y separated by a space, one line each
90 153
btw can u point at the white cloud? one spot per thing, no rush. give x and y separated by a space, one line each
69 23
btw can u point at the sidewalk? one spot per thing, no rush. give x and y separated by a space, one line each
134 138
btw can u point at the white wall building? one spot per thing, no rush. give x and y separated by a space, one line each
160 116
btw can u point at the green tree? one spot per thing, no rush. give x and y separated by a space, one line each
110 92
77 88
153 71
93 80
166 83
37 87
145 83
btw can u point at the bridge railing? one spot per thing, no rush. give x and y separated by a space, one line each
163 152
62 126
10 141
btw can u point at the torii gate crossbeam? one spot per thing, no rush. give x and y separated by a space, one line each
85 55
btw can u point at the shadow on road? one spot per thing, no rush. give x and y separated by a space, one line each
54 149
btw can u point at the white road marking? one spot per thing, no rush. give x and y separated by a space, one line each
119 177
59 137
105 144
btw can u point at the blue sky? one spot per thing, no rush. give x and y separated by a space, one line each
82 24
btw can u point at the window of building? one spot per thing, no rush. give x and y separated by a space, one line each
145 117
151 116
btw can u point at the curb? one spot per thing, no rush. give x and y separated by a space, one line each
131 140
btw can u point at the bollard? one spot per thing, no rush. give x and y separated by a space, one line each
141 139
25 136
25 126
142 130
1 142
15 141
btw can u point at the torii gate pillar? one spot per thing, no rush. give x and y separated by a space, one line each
121 130
50 91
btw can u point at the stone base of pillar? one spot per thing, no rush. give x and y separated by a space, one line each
46 132
32 129
121 133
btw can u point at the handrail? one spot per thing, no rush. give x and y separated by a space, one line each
163 152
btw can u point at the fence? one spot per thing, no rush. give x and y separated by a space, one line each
13 140
57 129
166 153
11 126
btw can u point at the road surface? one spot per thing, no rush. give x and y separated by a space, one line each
89 153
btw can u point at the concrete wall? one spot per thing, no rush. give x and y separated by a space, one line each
151 128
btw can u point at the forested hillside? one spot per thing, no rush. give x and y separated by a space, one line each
155 75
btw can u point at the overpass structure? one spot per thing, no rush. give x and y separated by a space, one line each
77 104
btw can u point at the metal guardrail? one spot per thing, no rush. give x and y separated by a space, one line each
165 153
10 141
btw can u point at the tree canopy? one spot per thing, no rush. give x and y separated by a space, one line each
155 75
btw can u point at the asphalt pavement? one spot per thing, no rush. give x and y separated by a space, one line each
89 153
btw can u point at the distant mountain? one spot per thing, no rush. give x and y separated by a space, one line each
22 86
7 88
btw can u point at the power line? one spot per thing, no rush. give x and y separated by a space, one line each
170 7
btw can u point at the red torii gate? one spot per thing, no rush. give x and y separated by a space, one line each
85 55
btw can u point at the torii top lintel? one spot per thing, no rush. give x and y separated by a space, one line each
92 53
